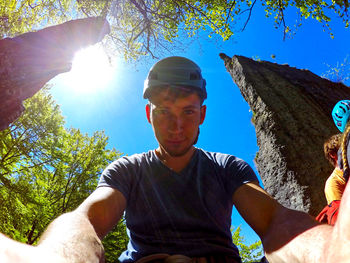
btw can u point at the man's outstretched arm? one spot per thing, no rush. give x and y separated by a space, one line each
287 235
76 236
339 242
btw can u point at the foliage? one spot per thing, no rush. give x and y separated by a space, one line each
26 146
316 9
18 16
142 27
46 170
115 242
249 253
340 72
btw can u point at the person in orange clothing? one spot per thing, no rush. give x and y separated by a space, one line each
335 184
336 151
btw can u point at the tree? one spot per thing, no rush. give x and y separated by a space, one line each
47 169
27 144
115 242
142 27
249 253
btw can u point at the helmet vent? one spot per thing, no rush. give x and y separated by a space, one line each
346 105
344 110
338 116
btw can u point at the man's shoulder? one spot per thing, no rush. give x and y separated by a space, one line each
135 159
219 157
228 165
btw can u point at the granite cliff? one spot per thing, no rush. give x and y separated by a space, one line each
292 117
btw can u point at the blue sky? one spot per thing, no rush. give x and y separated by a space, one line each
118 107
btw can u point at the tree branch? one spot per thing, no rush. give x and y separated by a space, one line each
250 13
229 11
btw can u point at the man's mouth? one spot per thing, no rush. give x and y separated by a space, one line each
176 141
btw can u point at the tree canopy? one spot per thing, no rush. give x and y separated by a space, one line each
249 253
144 27
47 169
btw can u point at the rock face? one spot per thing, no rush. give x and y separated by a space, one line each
30 60
292 116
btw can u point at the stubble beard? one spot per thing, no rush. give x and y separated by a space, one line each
175 153
178 152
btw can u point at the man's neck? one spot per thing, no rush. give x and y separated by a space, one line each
175 163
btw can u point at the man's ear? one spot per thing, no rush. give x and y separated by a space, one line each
148 112
334 157
203 112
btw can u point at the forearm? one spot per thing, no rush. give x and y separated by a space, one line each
296 237
72 238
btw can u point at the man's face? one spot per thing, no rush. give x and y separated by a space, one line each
175 122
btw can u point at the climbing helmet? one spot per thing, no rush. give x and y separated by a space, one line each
175 72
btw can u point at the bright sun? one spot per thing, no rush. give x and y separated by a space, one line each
91 70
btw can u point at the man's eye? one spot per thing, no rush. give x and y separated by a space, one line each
189 112
163 112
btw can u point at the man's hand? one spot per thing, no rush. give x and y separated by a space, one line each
16 252
59 247
12 251
338 250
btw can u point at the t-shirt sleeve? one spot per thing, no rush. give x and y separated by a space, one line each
118 175
239 173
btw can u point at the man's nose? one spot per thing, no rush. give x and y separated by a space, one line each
176 124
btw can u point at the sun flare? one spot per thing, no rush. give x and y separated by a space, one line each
91 70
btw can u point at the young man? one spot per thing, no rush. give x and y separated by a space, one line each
178 199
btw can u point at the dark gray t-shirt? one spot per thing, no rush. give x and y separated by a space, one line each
185 213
